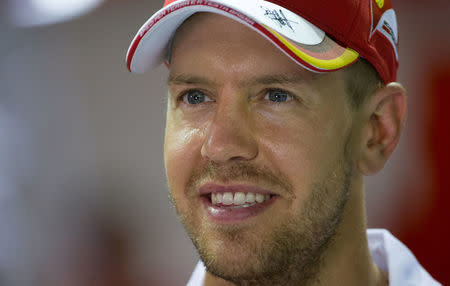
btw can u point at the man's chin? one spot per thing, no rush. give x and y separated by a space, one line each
233 268
232 260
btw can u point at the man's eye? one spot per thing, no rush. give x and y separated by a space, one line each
276 95
195 97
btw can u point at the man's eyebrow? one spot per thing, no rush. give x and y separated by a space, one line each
269 79
274 79
188 79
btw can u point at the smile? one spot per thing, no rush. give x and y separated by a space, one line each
238 199
235 203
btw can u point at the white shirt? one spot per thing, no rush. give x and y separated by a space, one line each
387 252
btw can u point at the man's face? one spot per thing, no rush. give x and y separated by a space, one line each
257 151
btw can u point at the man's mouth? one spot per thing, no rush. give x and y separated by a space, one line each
234 203
238 199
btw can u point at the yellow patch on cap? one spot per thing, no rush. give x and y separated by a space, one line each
380 3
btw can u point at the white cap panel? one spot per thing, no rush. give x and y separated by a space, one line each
157 32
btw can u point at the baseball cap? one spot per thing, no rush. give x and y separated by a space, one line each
320 35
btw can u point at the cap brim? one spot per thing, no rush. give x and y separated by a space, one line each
296 37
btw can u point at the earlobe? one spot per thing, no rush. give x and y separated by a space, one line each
386 113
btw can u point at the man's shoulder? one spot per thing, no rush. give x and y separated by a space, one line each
198 276
392 256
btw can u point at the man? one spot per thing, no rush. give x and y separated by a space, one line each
276 111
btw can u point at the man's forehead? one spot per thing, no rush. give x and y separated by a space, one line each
264 78
205 36
246 57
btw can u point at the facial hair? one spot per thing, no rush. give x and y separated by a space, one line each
290 253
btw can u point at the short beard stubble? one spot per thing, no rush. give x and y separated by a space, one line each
292 252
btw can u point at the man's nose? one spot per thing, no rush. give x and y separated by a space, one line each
230 135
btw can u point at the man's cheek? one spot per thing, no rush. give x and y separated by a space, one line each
181 154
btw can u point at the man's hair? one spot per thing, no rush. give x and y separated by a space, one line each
362 80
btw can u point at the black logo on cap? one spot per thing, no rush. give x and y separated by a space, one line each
389 30
279 17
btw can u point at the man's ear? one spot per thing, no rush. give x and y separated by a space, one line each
385 113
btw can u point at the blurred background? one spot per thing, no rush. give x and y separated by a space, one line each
83 197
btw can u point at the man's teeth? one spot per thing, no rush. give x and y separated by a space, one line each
238 198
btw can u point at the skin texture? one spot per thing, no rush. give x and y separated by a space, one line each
311 150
